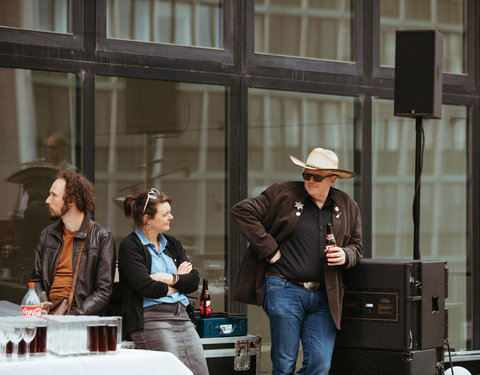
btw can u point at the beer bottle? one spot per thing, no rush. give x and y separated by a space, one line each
205 308
330 241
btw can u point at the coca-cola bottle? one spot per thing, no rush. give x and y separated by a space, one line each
205 308
31 303
330 241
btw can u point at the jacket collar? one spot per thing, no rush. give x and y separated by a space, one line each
57 228
82 232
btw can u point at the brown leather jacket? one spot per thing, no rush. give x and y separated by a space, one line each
97 264
268 219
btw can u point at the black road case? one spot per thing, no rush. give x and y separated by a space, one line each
238 355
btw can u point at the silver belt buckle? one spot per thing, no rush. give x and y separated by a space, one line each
311 285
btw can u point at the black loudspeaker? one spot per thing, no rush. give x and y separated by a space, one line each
157 107
381 362
418 73
394 319
396 305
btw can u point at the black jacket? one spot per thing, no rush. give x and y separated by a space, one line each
268 219
97 264
134 264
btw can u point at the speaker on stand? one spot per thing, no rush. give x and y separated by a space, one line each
394 317
418 94
418 74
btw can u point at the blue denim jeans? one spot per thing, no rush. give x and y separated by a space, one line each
298 314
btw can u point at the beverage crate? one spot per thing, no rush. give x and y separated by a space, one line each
221 324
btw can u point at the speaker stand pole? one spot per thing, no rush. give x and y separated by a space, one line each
418 178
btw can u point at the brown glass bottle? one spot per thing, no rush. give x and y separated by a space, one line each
330 241
205 308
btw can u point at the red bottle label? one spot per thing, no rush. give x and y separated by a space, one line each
205 308
32 311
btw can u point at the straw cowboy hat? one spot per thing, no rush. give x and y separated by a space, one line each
323 160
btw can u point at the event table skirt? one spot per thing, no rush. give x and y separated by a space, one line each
124 362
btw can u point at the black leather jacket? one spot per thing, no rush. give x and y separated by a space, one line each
97 265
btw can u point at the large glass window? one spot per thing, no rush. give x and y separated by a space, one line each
171 136
42 15
39 137
443 208
197 23
284 123
446 16
319 29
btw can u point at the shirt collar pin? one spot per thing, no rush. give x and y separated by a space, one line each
298 205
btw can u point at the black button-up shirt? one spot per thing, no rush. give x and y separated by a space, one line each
303 256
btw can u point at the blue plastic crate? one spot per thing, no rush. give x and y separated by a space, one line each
221 324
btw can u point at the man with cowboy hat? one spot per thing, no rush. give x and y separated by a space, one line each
288 270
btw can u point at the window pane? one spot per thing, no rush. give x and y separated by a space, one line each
43 15
38 138
443 211
197 23
315 29
284 123
446 16
170 136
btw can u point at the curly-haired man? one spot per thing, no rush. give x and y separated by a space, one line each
71 200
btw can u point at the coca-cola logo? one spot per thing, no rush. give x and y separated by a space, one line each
32 311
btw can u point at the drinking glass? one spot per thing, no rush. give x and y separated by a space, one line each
112 333
3 340
16 336
38 347
29 331
44 298
8 332
103 336
93 327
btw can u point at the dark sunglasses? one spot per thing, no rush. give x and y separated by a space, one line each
316 177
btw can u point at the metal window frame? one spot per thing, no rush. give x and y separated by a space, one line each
87 53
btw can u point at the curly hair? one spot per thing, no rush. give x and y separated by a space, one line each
78 189
133 206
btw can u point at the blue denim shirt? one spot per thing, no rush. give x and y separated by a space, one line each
161 262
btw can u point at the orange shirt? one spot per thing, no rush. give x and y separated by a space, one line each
62 282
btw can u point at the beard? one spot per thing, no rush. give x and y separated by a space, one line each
63 211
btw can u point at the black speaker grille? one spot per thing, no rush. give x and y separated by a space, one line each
418 73
368 362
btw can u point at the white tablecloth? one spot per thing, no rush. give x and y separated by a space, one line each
125 362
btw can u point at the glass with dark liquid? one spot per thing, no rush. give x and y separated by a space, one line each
103 337
112 337
92 336
38 346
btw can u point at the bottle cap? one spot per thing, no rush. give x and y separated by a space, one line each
30 284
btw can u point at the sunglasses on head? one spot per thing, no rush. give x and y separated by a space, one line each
316 177
153 194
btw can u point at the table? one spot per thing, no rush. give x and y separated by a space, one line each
124 362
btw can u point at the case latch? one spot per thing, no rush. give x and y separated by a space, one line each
242 355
